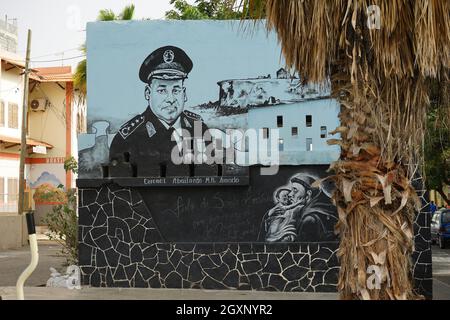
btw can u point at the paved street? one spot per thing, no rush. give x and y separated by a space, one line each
12 263
441 273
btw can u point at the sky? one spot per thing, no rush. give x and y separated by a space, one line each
58 26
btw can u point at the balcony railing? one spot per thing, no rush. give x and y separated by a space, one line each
8 27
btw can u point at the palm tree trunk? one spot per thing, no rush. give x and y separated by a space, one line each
374 197
378 77
375 212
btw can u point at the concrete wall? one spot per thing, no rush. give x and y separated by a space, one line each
49 125
10 231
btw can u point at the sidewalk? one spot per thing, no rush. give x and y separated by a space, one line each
13 262
42 293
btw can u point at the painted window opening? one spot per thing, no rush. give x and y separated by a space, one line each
105 171
323 131
294 132
279 121
265 133
309 145
162 170
280 144
309 120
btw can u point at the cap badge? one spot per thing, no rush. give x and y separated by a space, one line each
168 56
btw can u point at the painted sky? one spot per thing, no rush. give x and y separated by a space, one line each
219 50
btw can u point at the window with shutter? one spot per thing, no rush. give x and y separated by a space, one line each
13 115
13 190
2 113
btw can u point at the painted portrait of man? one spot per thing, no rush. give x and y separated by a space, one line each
150 137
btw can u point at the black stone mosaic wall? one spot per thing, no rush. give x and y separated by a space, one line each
120 246
421 257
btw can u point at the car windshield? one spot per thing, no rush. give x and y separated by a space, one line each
446 217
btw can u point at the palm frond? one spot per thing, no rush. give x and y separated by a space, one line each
127 13
80 76
106 15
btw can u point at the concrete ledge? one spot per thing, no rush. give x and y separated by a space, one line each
87 293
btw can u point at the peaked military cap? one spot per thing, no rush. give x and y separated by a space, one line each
167 62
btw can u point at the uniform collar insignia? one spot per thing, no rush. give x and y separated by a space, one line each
186 122
150 129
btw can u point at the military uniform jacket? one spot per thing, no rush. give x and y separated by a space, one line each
144 140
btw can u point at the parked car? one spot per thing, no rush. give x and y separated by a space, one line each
440 227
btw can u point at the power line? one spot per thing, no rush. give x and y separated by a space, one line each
56 53
53 60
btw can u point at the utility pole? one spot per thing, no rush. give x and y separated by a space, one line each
23 143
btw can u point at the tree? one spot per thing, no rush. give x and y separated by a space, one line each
437 142
203 9
80 75
379 76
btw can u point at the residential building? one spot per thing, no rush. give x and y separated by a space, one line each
51 138
8 35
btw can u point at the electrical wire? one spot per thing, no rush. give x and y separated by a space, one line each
56 53
53 60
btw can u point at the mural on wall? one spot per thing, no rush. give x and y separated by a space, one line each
245 213
48 187
169 83
91 159
298 213
151 136
145 225
171 87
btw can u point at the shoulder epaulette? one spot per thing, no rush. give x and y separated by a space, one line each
192 115
128 128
